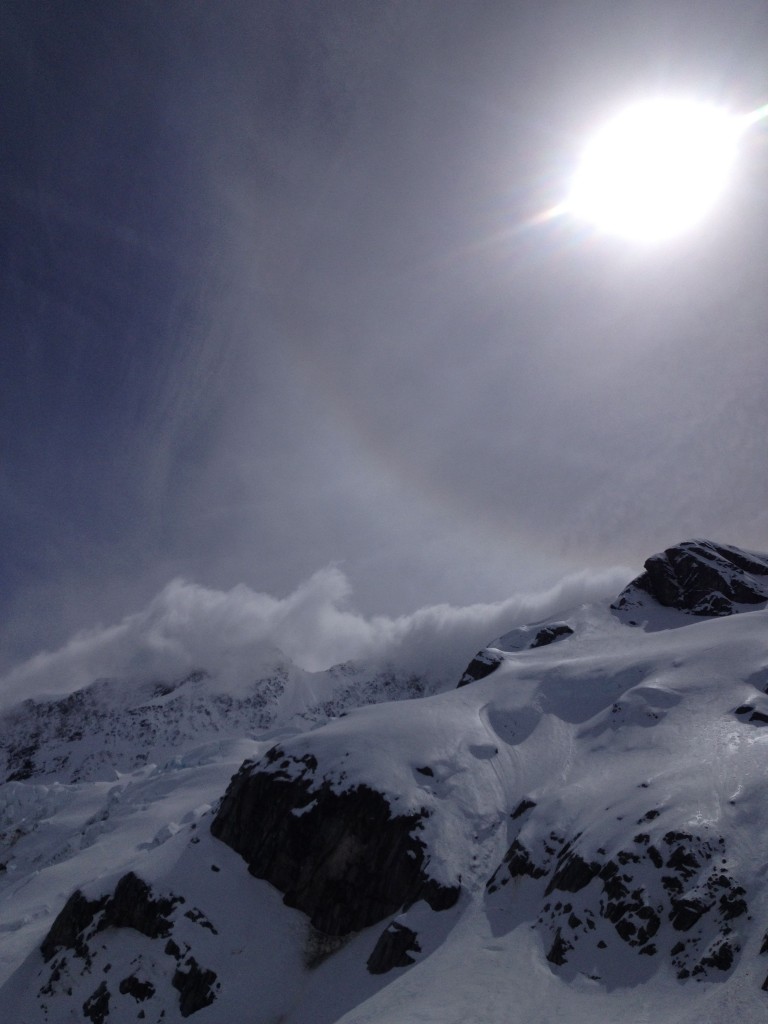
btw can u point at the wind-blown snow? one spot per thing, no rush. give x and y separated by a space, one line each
232 634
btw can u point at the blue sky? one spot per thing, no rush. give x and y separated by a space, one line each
272 302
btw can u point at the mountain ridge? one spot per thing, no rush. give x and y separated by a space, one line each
577 831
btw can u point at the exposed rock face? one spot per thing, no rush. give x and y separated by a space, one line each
195 987
133 986
672 876
341 857
700 577
106 726
524 638
548 634
96 1007
393 949
482 665
72 940
131 906
70 924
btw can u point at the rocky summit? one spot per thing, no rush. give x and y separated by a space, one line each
576 832
701 578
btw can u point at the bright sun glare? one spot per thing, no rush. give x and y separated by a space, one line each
656 169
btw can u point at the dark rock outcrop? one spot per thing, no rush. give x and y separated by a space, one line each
572 873
637 891
96 1006
686 913
70 924
517 863
195 987
524 638
133 986
131 906
482 665
342 857
79 928
393 949
549 634
525 805
701 578
750 714
559 950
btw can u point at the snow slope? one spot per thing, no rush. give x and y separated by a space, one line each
597 801
96 779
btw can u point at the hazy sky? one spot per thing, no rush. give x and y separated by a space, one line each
271 300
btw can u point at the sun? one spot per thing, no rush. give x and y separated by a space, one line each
655 169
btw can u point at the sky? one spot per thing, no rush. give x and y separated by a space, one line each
276 299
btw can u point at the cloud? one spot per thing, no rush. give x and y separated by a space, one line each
235 634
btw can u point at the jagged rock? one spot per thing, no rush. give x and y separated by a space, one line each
393 949
196 915
527 638
96 1006
517 863
343 858
721 958
701 578
548 634
70 924
572 874
558 950
523 638
195 987
131 906
683 861
133 986
732 904
524 805
630 892
686 912
482 665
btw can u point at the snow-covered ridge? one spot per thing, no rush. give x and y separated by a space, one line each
578 833
117 726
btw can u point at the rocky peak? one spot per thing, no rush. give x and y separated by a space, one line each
700 577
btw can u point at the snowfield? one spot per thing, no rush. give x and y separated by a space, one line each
594 806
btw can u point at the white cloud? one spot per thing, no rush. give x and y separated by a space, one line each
232 633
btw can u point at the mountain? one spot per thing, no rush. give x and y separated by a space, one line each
575 829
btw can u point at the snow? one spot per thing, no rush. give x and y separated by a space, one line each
613 732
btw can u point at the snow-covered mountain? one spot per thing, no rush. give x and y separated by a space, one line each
575 829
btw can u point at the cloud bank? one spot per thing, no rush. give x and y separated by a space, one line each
233 634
